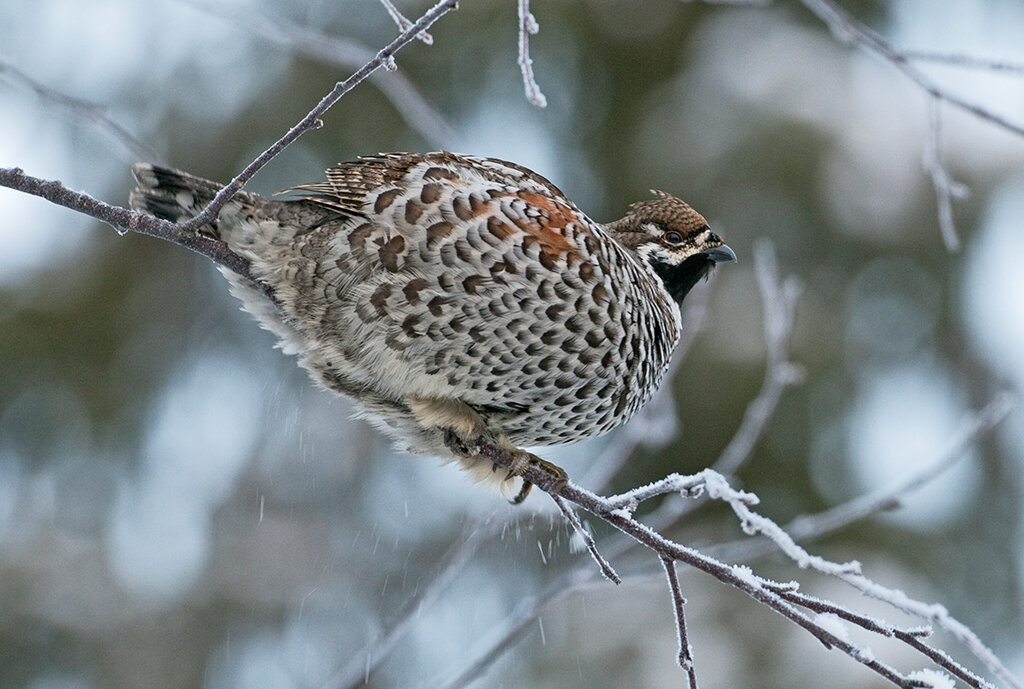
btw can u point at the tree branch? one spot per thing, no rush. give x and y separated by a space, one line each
342 52
187 234
312 120
685 653
849 30
528 25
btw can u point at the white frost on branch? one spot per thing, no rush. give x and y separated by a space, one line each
528 25
403 23
934 679
831 622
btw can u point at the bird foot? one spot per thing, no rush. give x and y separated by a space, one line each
523 460
515 461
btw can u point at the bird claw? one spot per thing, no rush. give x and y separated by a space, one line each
524 460
521 461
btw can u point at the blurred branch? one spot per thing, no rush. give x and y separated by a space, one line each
83 110
528 25
363 661
965 61
848 30
778 300
971 430
946 189
345 53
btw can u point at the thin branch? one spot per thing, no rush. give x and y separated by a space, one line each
312 120
342 52
528 25
943 660
404 23
939 615
850 573
970 431
965 61
82 109
685 656
124 220
588 540
849 30
517 624
945 187
911 637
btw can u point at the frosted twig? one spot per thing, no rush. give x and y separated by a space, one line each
528 25
942 659
312 119
343 52
124 220
690 486
82 109
850 573
911 637
685 652
753 523
946 189
588 540
938 615
404 23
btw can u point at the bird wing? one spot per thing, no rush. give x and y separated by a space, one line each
468 278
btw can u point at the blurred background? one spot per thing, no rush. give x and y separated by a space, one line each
180 507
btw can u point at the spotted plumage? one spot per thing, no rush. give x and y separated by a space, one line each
453 294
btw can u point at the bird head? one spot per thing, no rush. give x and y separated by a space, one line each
672 238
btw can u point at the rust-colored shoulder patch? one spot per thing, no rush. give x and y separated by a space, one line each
549 227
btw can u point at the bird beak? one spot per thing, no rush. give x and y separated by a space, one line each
722 254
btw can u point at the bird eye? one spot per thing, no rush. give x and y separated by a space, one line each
673 237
